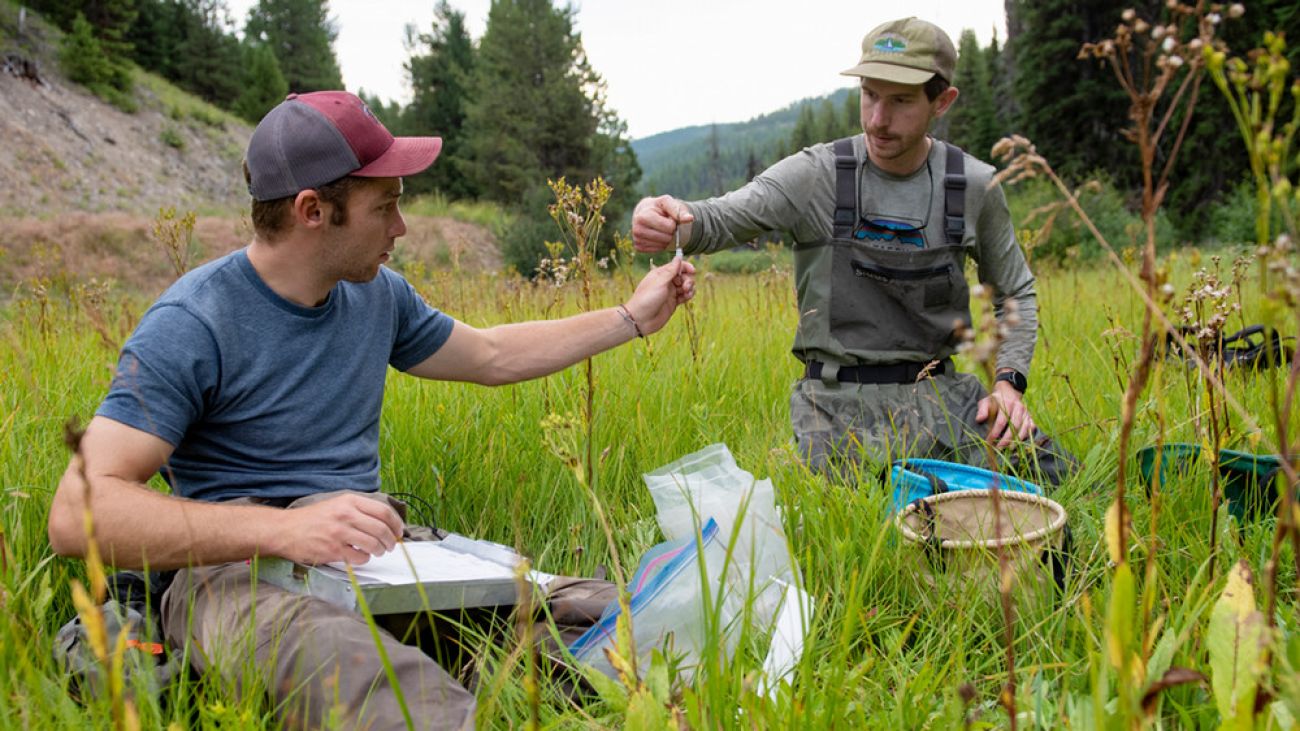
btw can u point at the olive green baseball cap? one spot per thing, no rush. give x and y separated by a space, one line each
907 51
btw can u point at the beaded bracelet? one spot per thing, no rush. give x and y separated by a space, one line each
622 311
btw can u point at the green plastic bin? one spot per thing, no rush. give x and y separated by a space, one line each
1249 481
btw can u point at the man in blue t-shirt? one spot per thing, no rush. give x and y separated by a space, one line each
255 383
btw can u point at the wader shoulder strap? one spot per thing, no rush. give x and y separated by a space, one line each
954 195
846 189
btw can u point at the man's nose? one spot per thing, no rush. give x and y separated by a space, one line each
399 227
879 116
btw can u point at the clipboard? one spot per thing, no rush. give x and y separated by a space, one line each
454 573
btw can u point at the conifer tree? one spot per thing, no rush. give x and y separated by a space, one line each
852 112
158 29
83 58
59 12
263 86
301 35
112 20
805 129
538 111
440 70
209 58
106 71
1072 110
972 121
715 163
830 126
752 166
530 117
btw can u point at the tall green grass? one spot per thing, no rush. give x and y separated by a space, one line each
882 651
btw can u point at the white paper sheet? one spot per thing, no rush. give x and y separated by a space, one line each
432 563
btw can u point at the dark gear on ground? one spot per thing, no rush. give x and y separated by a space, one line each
132 608
1253 347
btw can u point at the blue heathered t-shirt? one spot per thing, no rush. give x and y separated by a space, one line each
260 396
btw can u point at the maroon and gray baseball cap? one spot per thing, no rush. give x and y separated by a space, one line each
906 51
309 140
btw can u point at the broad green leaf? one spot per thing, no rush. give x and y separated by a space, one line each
1234 640
644 713
1119 617
656 678
1162 657
610 691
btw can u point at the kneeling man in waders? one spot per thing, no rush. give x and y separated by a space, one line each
883 223
254 386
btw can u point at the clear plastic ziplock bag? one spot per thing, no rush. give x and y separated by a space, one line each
709 484
668 603
750 571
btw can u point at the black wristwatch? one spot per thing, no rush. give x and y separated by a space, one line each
1015 378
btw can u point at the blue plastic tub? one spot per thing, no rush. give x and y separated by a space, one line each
918 478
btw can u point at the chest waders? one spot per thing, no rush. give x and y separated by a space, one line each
873 314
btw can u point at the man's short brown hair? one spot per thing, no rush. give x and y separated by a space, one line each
935 86
271 218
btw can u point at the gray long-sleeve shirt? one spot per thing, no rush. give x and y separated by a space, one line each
797 196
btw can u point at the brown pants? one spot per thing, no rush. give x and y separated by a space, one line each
318 662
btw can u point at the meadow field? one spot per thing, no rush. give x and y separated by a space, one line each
505 464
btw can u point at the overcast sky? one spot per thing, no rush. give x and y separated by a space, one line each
670 63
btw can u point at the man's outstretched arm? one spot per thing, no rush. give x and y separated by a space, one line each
137 527
520 351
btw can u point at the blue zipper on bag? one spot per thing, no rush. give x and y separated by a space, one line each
685 556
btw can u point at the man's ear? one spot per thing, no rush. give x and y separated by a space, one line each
309 210
944 101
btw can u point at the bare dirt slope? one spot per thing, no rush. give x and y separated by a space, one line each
81 181
66 150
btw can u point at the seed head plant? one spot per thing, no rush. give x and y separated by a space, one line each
175 235
1159 64
577 211
1255 88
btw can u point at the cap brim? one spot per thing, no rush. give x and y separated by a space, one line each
406 156
890 72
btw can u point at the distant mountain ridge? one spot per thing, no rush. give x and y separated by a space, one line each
708 159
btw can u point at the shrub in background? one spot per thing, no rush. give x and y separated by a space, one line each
81 56
1055 233
523 240
84 60
1232 220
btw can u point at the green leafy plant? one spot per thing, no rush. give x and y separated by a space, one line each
171 137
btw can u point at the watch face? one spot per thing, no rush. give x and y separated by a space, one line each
1016 379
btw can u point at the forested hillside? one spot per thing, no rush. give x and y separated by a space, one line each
515 108
708 160
522 104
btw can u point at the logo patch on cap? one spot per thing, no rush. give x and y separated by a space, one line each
890 44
